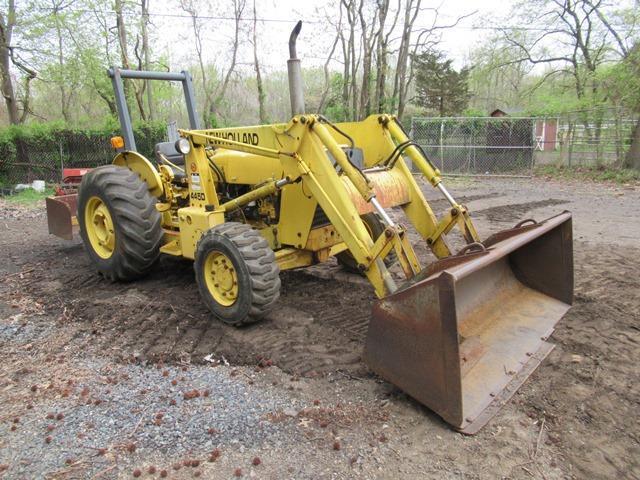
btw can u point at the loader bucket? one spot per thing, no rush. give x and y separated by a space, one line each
463 335
61 215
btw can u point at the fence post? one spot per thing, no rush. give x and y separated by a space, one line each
570 134
441 146
61 158
533 142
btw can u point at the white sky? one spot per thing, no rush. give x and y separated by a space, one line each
317 35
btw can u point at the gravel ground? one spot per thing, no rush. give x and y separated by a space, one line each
138 410
111 420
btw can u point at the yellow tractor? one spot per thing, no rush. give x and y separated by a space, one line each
459 335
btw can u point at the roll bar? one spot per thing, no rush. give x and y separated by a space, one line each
117 74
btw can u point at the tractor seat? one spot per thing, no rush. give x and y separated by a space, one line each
168 150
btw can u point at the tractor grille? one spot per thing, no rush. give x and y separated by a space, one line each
320 218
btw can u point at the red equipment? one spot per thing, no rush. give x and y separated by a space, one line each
62 206
71 178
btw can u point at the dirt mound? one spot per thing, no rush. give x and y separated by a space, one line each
515 212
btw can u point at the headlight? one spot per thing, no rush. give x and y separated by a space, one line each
183 146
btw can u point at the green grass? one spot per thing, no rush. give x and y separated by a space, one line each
595 174
28 196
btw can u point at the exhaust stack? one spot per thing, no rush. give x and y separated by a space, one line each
296 91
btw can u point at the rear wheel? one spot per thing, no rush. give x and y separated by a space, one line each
119 224
237 273
375 228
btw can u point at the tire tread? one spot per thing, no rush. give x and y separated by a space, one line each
137 222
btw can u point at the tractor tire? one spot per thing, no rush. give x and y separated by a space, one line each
119 224
376 228
237 273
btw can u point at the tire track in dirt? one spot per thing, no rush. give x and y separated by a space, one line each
318 326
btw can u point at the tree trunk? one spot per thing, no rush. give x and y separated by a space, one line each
188 7
345 75
6 30
401 84
61 80
382 46
367 48
145 52
124 54
122 42
351 69
238 8
327 75
262 111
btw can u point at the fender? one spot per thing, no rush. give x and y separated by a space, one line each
143 167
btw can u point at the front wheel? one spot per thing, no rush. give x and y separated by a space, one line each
237 273
375 228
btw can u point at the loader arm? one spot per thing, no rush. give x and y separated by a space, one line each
307 146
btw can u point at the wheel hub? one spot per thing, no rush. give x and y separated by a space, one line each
221 278
99 227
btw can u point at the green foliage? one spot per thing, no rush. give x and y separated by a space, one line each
597 174
439 88
29 196
334 108
38 150
622 80
473 112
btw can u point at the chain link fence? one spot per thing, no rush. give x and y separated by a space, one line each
25 158
597 137
477 145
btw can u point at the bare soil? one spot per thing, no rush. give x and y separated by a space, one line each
576 417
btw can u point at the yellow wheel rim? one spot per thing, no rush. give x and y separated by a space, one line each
99 227
221 278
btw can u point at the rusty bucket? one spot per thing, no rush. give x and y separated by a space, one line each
464 334
61 215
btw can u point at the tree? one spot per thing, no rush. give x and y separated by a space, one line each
191 8
144 24
9 57
58 8
350 62
583 40
123 34
440 88
496 81
238 10
92 38
632 71
382 52
622 82
262 111
400 84
327 73
70 43
414 39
